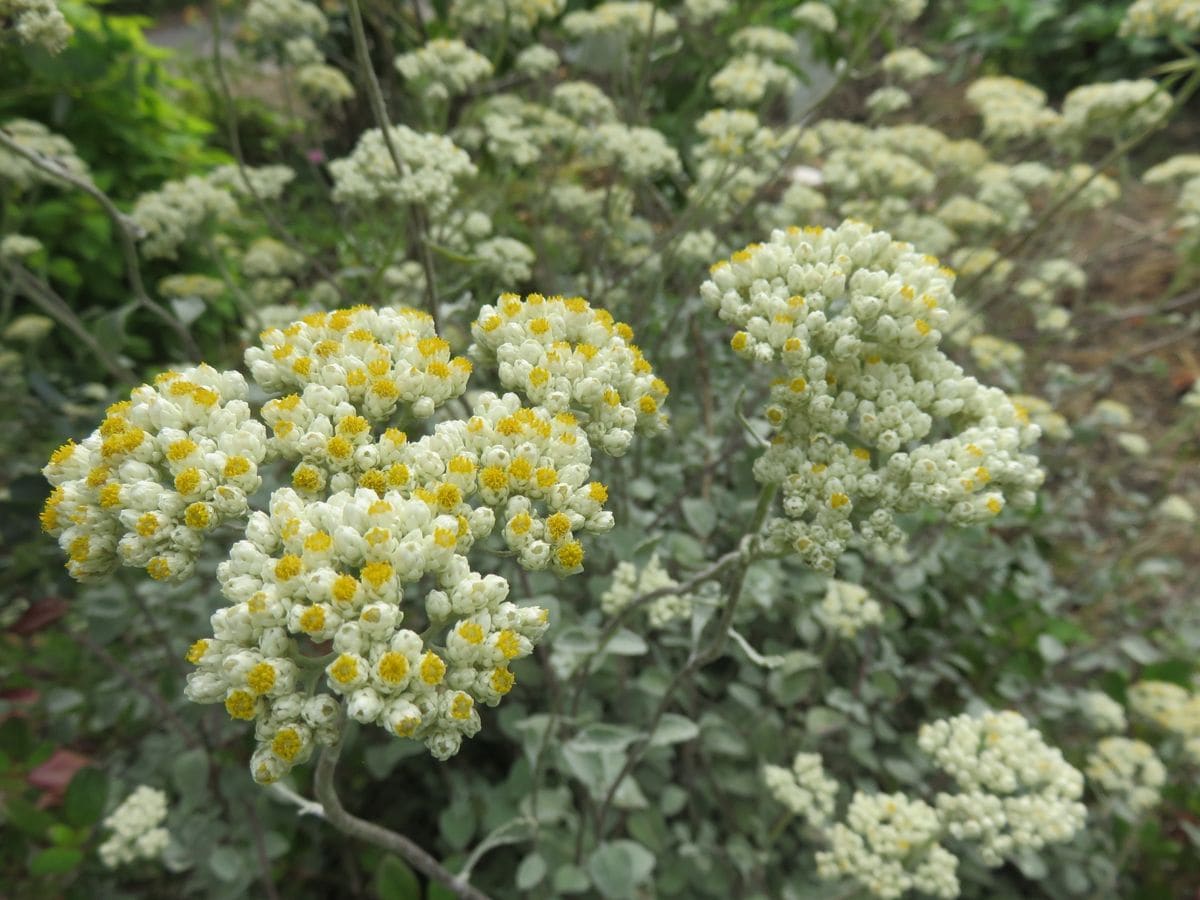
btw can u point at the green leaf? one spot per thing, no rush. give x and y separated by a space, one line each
55 861
226 863
700 515
603 738
85 797
531 871
570 879
457 823
626 643
190 774
394 880
619 867
674 729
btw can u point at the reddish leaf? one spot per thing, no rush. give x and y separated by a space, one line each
41 614
53 776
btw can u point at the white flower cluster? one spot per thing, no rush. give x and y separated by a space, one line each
1102 712
637 152
1179 168
1011 108
368 514
1152 18
137 831
1016 792
871 418
17 247
627 21
1168 706
848 608
887 100
889 845
749 79
179 210
769 42
996 354
1112 109
564 355
1129 770
817 16
908 64
359 361
804 789
38 22
37 137
443 68
275 22
337 570
536 59
517 16
433 168
163 470
629 583
324 85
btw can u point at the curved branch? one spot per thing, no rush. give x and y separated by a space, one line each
381 837
127 232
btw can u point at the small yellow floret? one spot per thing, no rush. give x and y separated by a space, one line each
344 669
471 632
158 569
240 705
376 574
508 642
570 555
261 678
286 744
393 667
502 681
312 620
196 652
432 668
288 567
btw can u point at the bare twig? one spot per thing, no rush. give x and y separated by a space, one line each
381 837
127 234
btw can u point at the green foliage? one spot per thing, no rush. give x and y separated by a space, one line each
1056 44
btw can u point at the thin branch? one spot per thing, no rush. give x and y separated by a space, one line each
44 297
381 837
127 234
379 111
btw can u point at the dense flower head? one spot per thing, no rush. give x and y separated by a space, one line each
804 788
373 528
1016 792
630 582
339 570
748 79
1166 705
38 22
626 21
1128 769
1102 712
433 167
889 845
1110 109
1011 108
376 360
273 22
908 64
136 826
165 468
565 355
35 136
871 417
1153 18
177 212
518 16
443 68
848 608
